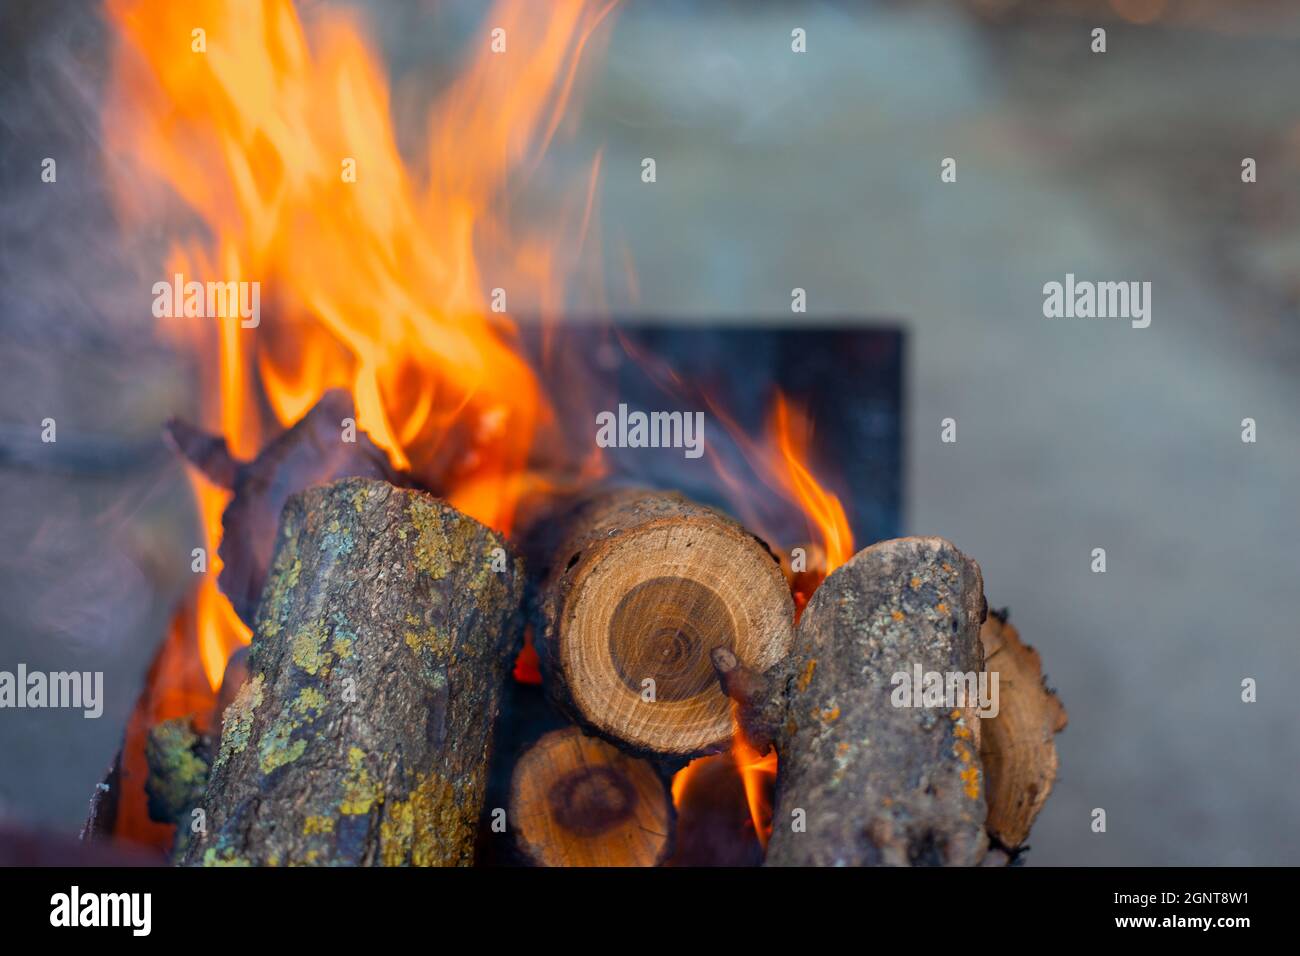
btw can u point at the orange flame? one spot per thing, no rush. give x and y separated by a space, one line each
757 777
783 462
791 433
286 151
758 774
277 134
219 630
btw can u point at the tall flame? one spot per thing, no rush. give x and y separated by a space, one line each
791 433
286 151
277 134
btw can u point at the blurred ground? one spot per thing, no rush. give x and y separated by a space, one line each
821 171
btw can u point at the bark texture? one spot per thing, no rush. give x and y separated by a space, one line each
639 588
385 633
862 781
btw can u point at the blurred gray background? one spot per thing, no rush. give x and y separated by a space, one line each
821 171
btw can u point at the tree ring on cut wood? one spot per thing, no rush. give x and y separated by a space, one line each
577 800
646 607
591 800
664 629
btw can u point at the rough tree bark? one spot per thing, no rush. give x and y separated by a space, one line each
388 625
639 588
860 780
577 800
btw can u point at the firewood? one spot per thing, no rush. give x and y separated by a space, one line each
714 827
1017 748
388 626
310 453
861 781
639 588
577 800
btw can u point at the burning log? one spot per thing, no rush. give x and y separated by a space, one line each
1017 747
312 452
861 780
388 626
640 588
579 801
714 824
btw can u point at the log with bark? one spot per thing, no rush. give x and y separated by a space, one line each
862 781
577 800
310 453
388 625
1017 747
639 587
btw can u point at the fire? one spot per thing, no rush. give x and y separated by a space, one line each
280 139
791 433
757 777
782 461
391 279
386 277
219 630
277 134
758 773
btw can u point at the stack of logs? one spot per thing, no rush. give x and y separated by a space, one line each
359 726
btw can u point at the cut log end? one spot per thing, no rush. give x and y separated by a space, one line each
643 589
578 801
1017 747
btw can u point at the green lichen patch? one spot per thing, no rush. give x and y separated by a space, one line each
337 540
309 704
317 824
429 640
443 540
223 857
237 723
308 649
277 748
419 830
360 790
178 770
